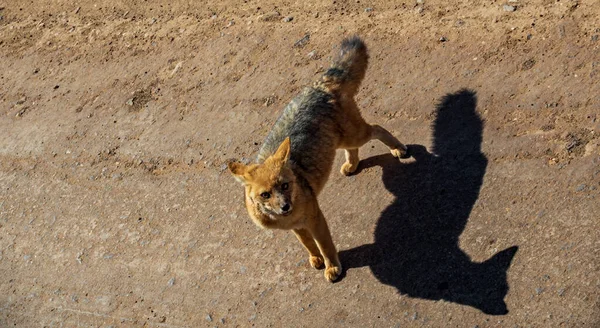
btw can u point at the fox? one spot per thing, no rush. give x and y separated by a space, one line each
295 160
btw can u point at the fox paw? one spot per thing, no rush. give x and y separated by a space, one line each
332 273
316 262
348 168
400 152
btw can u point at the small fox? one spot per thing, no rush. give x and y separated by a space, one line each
295 160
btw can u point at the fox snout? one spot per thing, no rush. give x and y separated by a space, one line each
283 205
286 209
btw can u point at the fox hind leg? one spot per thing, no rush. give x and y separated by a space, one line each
351 163
397 148
361 136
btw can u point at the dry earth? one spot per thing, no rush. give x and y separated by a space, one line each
117 116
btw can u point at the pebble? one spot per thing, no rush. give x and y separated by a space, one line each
273 16
288 19
581 187
443 39
302 42
368 10
561 292
415 316
539 290
171 281
208 318
509 8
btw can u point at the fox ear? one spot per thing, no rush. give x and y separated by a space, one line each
239 171
283 152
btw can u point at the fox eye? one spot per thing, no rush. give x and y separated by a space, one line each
265 195
285 186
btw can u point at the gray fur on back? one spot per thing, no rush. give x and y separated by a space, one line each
310 122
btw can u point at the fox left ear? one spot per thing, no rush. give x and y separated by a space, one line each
283 152
238 170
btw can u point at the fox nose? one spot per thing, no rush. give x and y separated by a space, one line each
285 207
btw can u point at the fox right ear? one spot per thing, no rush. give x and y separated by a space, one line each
238 170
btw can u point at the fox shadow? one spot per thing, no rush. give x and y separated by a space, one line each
416 238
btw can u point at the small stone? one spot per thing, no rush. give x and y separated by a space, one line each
302 42
288 19
270 17
208 318
312 54
443 39
415 316
581 187
539 290
509 8
222 321
595 37
368 10
129 102
528 64
561 292
171 281
420 2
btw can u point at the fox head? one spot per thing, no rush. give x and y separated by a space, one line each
270 185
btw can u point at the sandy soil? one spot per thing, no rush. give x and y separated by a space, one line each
117 116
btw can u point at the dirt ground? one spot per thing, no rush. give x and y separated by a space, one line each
117 118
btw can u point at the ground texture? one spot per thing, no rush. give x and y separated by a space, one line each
117 118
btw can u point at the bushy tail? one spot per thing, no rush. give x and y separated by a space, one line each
349 67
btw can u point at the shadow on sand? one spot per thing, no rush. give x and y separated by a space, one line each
416 240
